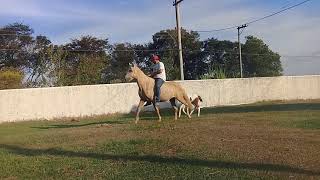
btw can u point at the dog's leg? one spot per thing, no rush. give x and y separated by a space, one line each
192 111
199 111
183 107
187 113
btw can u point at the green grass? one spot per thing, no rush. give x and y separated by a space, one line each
266 140
297 115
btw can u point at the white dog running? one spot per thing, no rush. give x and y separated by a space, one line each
196 101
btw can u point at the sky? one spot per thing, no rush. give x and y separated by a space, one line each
294 34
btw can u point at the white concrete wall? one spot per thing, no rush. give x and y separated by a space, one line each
78 101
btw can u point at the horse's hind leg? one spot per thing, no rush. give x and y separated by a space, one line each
156 108
175 108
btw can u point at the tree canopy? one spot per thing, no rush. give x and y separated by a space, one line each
92 60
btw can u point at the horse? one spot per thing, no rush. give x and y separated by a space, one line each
170 91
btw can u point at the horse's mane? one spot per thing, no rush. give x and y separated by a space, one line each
142 76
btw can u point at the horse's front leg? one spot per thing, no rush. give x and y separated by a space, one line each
140 106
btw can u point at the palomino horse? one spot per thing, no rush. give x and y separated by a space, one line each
170 91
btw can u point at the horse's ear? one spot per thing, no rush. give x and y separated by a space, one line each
135 64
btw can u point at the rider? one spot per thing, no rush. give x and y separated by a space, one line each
159 75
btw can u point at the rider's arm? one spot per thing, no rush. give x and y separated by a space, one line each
156 72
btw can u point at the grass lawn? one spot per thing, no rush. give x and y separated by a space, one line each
266 140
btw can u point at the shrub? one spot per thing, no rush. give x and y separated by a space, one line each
10 78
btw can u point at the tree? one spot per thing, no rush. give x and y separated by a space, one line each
259 60
122 54
90 60
26 54
16 40
58 70
220 56
84 62
142 56
165 44
192 54
40 63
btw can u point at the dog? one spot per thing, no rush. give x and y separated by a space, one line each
196 101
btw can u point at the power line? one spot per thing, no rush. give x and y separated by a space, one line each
273 14
256 20
216 30
157 50
16 35
287 3
88 50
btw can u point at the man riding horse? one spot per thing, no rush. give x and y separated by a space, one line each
170 91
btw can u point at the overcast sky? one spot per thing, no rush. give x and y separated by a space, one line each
292 34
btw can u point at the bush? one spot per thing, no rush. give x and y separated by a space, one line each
217 73
10 78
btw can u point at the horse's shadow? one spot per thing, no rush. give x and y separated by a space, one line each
62 126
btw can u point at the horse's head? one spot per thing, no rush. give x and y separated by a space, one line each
132 72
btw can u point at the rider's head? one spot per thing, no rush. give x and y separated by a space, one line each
155 58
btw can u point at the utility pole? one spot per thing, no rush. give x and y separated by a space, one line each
176 4
240 58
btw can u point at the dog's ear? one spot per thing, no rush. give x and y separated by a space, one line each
200 98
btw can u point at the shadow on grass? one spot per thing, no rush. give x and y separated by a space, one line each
158 159
168 113
57 126
262 108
